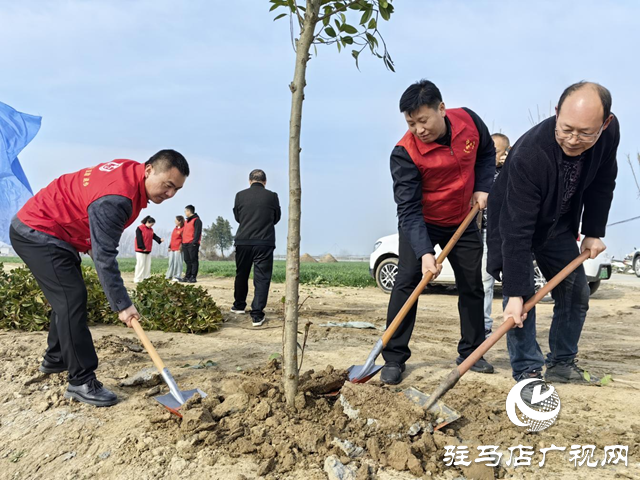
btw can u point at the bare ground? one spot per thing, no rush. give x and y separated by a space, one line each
244 430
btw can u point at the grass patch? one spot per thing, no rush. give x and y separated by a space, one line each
341 274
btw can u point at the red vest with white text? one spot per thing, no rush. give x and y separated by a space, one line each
448 174
61 208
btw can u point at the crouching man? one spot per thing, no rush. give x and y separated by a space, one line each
559 173
86 212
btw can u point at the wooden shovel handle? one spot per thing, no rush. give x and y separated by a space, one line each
157 361
391 329
509 323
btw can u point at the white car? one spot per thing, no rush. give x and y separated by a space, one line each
383 266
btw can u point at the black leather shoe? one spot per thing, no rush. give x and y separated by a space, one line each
191 280
481 366
392 373
50 367
92 393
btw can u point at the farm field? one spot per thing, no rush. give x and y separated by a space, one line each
341 274
46 436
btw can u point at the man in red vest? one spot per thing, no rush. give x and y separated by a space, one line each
86 212
191 236
441 167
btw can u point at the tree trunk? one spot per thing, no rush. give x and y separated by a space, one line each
290 374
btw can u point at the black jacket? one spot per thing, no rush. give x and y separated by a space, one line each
257 210
524 204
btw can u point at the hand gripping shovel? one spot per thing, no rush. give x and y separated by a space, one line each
173 400
362 373
450 381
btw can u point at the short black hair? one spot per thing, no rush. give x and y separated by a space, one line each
419 94
166 159
191 208
148 219
603 93
257 175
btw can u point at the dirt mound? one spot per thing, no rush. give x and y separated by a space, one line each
248 415
328 258
306 258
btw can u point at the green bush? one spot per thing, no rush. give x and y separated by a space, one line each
164 305
173 307
23 305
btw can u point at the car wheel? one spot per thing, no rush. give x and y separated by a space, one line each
593 287
539 282
636 265
386 274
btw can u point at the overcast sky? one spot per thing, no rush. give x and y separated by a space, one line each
124 79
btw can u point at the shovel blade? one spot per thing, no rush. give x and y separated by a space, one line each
443 414
170 402
360 374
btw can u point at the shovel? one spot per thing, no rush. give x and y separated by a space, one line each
362 373
450 381
173 400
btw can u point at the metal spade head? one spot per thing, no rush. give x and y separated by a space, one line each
171 403
444 415
362 373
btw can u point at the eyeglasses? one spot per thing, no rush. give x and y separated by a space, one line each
581 137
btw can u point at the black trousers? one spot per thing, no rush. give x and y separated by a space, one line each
190 251
466 260
59 274
261 258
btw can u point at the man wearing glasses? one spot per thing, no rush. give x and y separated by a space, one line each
559 173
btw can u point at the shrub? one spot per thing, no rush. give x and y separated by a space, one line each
23 305
173 307
164 305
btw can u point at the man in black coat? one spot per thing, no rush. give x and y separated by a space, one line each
257 210
559 173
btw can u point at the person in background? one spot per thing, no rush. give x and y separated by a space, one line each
257 210
502 144
144 243
175 250
191 236
87 211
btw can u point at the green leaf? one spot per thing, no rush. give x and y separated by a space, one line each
372 24
349 29
366 16
280 16
330 31
274 356
385 14
347 41
587 376
606 380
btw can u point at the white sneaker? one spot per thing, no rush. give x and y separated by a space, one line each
237 312
257 322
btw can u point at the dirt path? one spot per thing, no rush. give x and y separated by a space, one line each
45 436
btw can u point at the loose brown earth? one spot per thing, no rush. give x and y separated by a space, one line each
244 430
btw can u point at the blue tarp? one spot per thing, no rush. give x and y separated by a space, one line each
16 131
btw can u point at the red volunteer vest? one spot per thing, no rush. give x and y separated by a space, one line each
60 209
448 174
176 239
147 239
189 231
